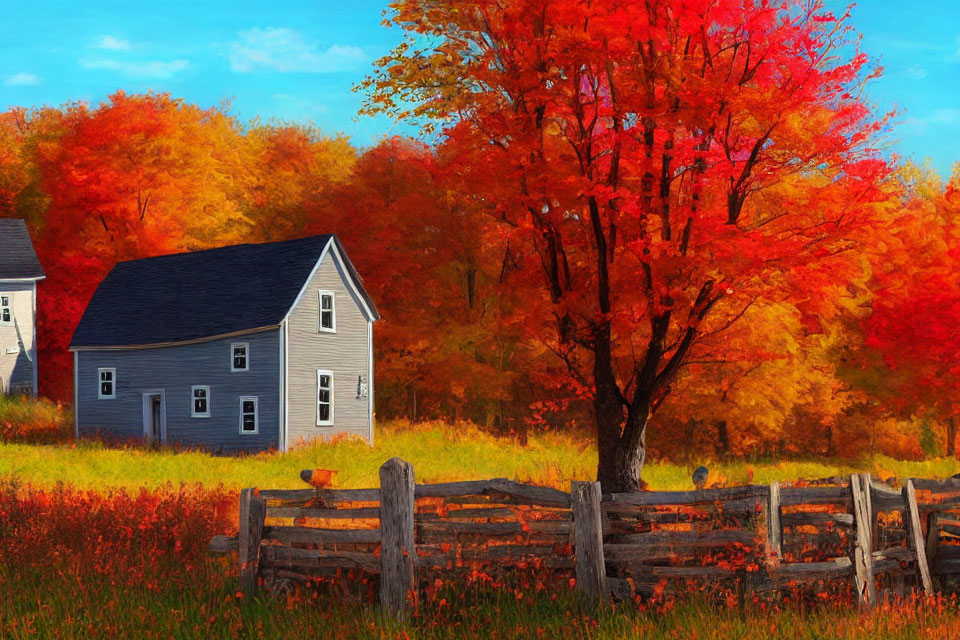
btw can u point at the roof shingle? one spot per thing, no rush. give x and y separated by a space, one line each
189 296
18 260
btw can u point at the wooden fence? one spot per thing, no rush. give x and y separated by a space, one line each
615 545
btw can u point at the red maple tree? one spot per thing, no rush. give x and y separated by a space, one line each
655 165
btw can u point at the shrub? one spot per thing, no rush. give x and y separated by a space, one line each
34 420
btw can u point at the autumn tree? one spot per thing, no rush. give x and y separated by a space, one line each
135 177
911 333
663 163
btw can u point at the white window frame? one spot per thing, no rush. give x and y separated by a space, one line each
333 311
329 421
246 348
8 307
256 415
113 383
193 401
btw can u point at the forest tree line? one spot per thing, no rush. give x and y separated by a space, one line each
854 357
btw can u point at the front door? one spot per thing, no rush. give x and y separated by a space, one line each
153 417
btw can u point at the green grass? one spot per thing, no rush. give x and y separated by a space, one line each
209 609
439 452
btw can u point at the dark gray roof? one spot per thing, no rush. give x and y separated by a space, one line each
189 296
18 260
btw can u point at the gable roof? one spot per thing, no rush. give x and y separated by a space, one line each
204 294
18 260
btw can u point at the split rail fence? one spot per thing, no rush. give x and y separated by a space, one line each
762 538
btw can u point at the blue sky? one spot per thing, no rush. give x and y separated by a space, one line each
298 60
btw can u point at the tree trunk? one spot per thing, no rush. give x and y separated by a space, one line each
952 438
723 439
608 411
622 448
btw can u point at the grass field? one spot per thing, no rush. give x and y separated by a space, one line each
439 452
99 541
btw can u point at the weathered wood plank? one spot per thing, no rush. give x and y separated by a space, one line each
273 557
947 567
915 538
774 527
253 510
316 512
791 496
311 535
397 548
557 527
326 495
829 570
646 547
588 540
430 556
223 544
491 512
863 552
816 519
705 496
937 486
933 537
519 491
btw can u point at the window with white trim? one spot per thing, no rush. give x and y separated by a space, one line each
240 356
107 378
249 420
324 398
200 406
6 309
328 316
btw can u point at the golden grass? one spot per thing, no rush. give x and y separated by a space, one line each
438 451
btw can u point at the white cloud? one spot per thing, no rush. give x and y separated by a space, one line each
918 72
110 43
285 50
21 79
148 69
945 116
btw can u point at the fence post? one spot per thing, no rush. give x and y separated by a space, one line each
253 511
397 549
588 540
915 536
933 540
863 552
774 528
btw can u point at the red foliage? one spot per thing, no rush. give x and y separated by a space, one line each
129 538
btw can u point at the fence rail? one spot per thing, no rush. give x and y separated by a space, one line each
614 545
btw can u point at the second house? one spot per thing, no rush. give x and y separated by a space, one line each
242 348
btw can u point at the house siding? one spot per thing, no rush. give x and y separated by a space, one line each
17 369
176 369
344 353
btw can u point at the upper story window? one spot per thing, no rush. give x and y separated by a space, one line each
324 398
201 402
108 383
328 315
249 420
239 356
6 309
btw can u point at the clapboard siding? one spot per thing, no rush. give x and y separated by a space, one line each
344 353
175 369
17 368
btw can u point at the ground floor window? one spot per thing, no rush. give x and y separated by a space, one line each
324 398
108 378
249 421
201 402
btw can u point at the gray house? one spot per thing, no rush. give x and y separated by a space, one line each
19 273
248 347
